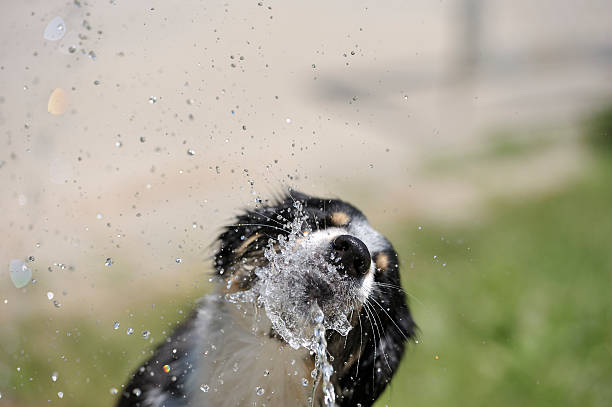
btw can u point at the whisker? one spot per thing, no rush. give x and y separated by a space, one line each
273 220
389 316
350 319
325 217
275 212
373 339
256 224
382 344
360 343
398 288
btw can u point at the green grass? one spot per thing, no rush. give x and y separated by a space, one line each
599 130
522 312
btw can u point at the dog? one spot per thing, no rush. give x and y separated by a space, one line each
308 310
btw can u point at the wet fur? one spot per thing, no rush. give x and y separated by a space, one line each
364 361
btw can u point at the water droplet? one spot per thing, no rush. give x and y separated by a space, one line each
20 273
109 262
113 390
137 392
60 394
166 368
318 316
54 376
178 260
50 295
116 325
259 391
118 143
55 30
191 152
152 99
56 304
204 388
288 120
130 331
145 334
371 165
58 102
304 381
142 139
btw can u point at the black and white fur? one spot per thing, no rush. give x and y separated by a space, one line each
225 353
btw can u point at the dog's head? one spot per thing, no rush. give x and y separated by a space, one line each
300 251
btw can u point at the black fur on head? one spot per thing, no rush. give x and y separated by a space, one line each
366 359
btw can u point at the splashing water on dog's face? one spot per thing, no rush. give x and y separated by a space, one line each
298 275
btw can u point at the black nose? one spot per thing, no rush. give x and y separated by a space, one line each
351 254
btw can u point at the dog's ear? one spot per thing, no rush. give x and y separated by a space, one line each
382 353
262 223
255 225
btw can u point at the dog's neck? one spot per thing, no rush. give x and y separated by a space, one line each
239 363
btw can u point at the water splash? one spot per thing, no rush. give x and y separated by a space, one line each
323 368
283 286
55 30
20 273
296 260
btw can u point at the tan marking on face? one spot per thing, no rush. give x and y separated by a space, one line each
240 251
234 286
240 280
340 219
382 261
241 273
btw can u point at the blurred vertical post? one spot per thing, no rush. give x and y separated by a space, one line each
467 46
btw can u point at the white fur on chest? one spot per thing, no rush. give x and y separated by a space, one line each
240 366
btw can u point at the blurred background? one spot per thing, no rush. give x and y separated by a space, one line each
477 135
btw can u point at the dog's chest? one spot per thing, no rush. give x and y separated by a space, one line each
239 368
